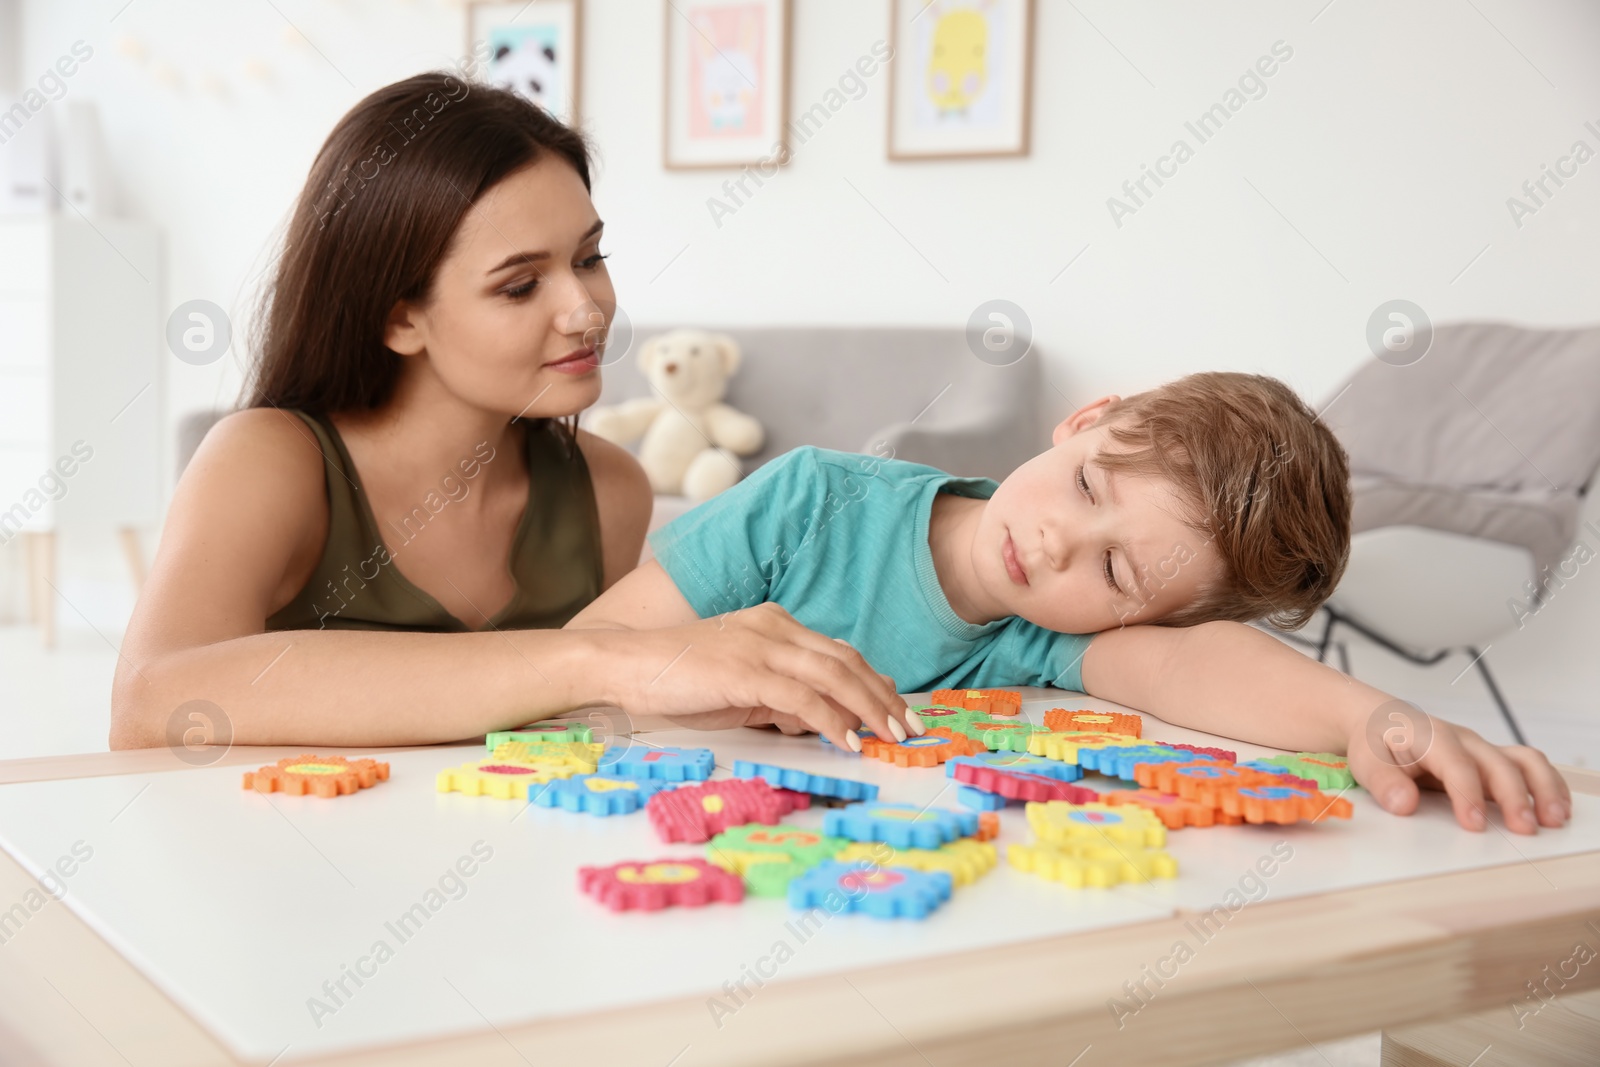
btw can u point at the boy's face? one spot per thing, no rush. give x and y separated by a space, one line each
1069 546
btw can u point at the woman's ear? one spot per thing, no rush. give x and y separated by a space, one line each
1083 418
731 354
402 332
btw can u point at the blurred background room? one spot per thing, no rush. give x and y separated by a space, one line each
1393 208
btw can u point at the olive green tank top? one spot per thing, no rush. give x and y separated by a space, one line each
555 556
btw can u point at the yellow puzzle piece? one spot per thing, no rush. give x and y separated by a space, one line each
1064 745
583 755
506 779
1060 822
1087 863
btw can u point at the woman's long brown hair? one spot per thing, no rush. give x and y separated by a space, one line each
376 216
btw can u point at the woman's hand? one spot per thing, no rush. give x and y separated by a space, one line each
1392 755
747 668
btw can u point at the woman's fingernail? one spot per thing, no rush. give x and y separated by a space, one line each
1559 811
914 721
896 729
853 739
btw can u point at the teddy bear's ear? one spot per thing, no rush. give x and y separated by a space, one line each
731 354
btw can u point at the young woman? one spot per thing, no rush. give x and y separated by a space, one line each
381 546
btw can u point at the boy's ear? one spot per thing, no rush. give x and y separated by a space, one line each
402 332
1082 419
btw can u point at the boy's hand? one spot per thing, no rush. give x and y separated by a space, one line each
1400 747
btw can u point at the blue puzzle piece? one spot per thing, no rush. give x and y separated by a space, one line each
597 794
1118 762
805 782
1019 761
882 892
668 762
977 798
862 732
1277 770
900 825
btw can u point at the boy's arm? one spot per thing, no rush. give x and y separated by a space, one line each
1231 679
645 598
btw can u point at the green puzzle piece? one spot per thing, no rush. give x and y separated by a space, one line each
1326 769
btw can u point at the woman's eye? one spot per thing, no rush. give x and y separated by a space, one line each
593 261
519 291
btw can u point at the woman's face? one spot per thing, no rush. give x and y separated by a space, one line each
517 319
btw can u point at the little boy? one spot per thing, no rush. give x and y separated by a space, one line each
1122 562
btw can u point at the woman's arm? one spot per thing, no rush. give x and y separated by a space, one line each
250 511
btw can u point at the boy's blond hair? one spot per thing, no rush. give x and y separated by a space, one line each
1267 482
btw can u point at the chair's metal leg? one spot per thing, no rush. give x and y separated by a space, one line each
1327 635
1344 656
1494 691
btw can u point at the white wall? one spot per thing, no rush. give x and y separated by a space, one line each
1376 166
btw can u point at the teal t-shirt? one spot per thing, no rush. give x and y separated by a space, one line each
840 541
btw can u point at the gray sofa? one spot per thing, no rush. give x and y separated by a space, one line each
912 393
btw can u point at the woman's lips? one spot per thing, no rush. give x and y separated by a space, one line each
1008 553
580 362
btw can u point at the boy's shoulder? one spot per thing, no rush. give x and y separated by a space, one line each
829 462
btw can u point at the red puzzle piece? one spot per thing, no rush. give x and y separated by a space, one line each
700 812
1022 785
657 884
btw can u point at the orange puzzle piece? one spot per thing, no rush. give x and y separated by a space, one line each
928 750
325 776
1108 722
1175 812
1283 804
993 701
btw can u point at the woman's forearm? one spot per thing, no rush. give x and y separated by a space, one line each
356 688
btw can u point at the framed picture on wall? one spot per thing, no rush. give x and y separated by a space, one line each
726 92
533 47
961 80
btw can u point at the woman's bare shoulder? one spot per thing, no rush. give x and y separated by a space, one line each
623 496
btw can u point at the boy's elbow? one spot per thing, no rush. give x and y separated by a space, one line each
134 718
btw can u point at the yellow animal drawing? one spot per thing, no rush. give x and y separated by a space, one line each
958 64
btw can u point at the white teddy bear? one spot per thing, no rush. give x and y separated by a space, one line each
691 439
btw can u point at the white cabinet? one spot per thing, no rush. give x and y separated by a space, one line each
81 339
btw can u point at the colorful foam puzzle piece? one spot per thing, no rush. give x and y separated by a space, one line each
1064 745
572 732
937 715
931 749
739 848
806 782
1019 761
1174 812
882 892
498 778
669 762
1277 771
965 860
1327 770
992 701
699 812
1059 821
1200 780
657 884
988 826
1104 722
582 755
1020 785
900 825
1081 864
1119 761
1282 804
970 797
322 776
771 879
998 735
1224 755
596 794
